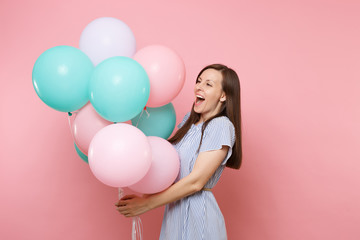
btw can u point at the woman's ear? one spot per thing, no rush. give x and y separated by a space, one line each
223 97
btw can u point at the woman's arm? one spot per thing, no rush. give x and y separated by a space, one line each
205 166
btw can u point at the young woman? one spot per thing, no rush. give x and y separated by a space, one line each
208 139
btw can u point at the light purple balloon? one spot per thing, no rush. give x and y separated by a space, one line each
119 155
107 37
164 167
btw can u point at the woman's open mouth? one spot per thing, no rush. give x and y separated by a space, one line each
199 100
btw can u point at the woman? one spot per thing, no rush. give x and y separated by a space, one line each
209 139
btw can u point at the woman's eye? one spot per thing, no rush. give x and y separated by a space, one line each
209 84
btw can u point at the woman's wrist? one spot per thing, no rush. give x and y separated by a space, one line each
150 202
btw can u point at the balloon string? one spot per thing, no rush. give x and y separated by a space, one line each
139 118
70 116
137 228
147 113
133 232
121 193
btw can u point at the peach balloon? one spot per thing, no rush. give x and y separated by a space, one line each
166 71
164 168
86 124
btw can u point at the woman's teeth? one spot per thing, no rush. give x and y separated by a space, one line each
199 99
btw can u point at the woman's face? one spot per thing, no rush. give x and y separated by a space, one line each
209 95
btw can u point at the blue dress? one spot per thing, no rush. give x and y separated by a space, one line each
198 216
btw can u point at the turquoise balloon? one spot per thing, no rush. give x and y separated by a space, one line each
119 89
61 77
81 154
158 122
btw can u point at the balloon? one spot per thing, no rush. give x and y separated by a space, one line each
61 76
86 124
166 72
107 37
119 89
81 154
119 155
158 122
164 168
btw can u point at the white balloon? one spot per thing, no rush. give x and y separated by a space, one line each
107 37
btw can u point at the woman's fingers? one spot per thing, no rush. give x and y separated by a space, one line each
128 197
123 200
124 211
131 205
123 207
120 203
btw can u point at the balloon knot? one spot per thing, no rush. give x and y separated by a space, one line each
70 114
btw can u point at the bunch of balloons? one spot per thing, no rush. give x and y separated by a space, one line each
109 84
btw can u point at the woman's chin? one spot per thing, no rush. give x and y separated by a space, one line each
196 109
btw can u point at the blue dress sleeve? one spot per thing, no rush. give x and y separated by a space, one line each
219 132
184 120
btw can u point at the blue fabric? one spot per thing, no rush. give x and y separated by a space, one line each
198 216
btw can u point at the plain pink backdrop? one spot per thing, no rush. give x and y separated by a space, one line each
300 77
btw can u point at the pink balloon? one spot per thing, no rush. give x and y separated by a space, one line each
166 72
164 167
86 124
119 155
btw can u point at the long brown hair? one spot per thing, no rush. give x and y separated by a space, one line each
231 109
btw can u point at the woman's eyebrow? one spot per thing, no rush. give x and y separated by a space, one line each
209 80
206 79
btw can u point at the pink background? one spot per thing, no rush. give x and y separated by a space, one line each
300 77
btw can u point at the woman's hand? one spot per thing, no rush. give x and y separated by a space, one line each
132 205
